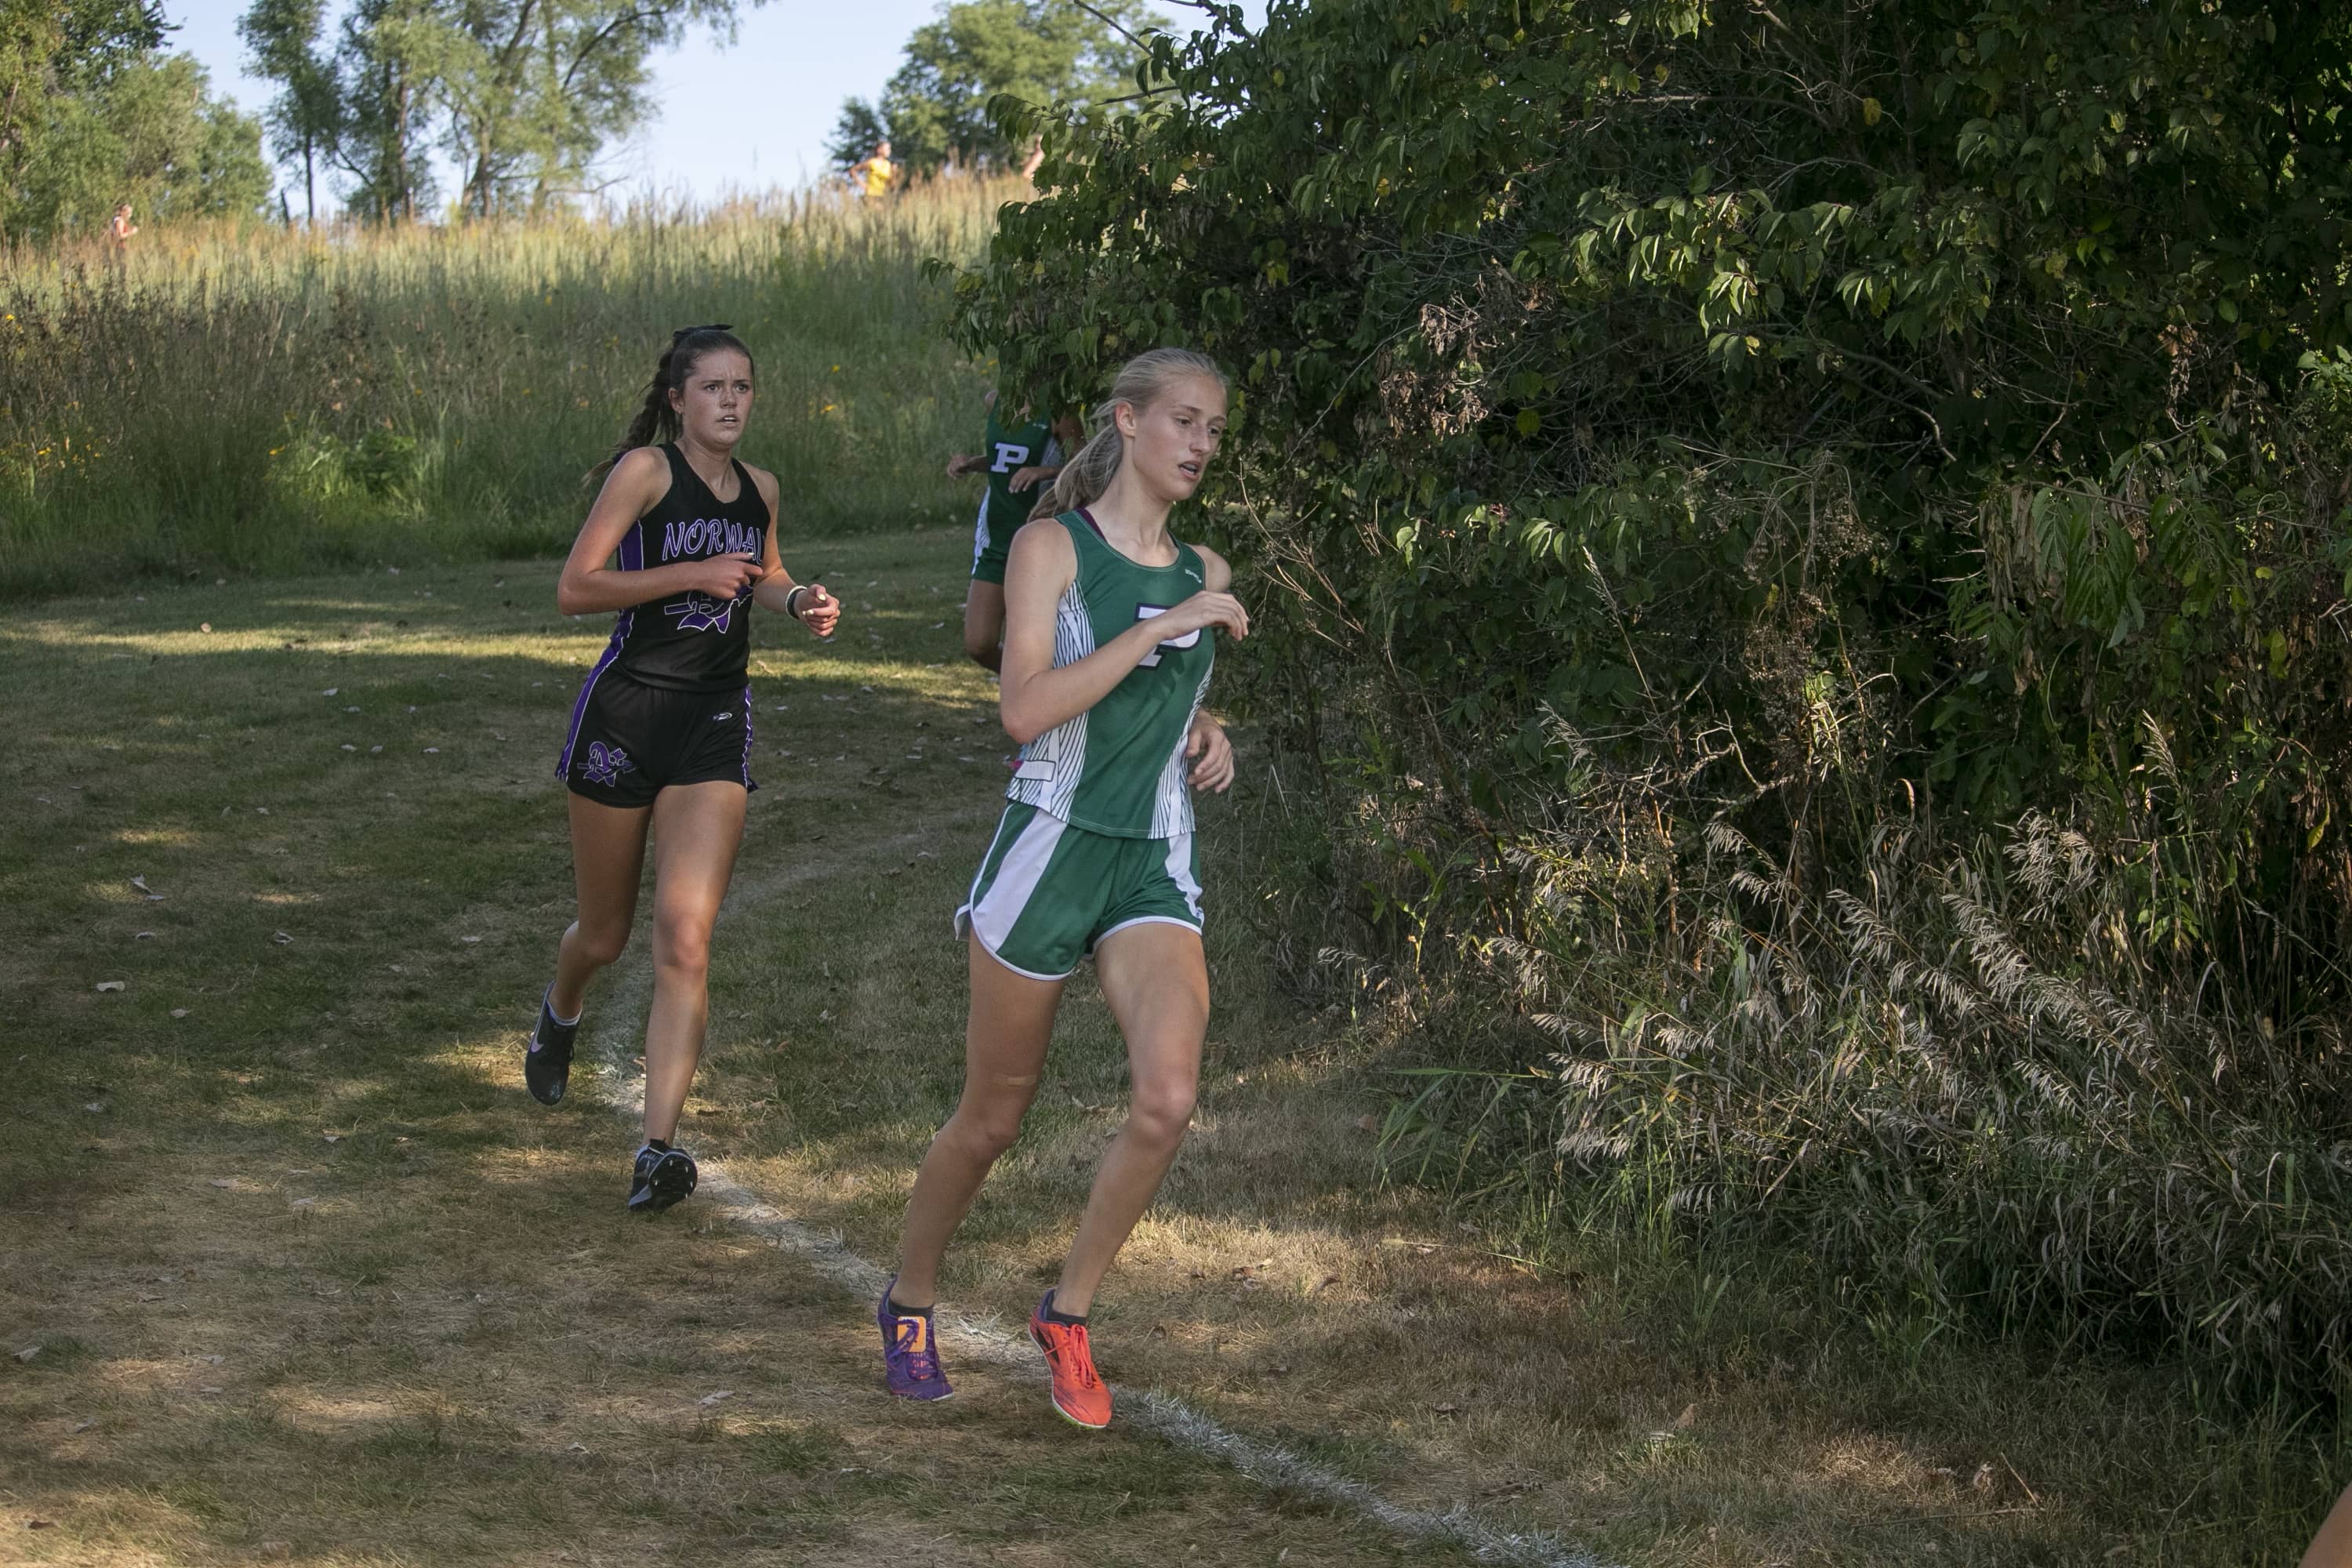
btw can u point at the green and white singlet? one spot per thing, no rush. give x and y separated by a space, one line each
1023 444
1097 834
1119 769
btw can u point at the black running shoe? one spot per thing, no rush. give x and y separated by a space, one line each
547 1065
663 1176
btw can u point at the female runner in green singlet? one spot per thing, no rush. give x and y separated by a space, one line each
1018 455
1107 658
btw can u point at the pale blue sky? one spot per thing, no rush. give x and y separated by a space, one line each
743 117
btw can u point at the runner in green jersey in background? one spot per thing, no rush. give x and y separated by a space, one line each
1106 657
1020 455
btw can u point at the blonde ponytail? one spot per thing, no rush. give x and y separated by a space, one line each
1084 477
1139 383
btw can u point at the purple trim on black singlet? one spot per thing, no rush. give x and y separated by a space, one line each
631 558
748 784
580 708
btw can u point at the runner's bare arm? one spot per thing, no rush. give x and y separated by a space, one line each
1071 434
1216 572
1206 742
1033 696
775 584
1211 753
637 483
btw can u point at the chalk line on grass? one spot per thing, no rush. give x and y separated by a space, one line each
621 1017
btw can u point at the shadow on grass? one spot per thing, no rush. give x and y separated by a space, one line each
295 1141
309 1276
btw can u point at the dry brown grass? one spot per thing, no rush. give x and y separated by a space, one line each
316 1283
408 1359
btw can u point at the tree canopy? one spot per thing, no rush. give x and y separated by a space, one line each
286 39
523 95
94 111
1523 274
935 109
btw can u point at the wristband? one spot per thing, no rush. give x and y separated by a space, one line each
793 600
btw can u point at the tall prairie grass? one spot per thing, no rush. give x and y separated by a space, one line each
1957 1083
249 398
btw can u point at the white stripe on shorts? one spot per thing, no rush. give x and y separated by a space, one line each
1180 871
971 894
1018 875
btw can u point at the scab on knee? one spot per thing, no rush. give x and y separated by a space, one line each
1012 1080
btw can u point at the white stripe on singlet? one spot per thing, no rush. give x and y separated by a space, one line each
1064 747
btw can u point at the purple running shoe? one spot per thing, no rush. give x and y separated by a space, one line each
911 1353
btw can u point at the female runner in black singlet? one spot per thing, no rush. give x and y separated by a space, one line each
661 736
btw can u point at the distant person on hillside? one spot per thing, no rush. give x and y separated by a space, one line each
1032 158
681 544
872 175
120 230
1018 455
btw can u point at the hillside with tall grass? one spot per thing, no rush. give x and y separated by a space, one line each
249 398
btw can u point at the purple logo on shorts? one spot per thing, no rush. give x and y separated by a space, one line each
701 613
606 764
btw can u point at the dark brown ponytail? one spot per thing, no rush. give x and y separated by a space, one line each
657 421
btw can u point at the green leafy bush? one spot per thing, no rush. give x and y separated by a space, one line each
1836 429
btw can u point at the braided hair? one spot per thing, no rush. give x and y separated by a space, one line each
655 420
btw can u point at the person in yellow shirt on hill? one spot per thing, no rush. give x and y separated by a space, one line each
873 175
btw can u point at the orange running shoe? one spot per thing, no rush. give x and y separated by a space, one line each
1079 1392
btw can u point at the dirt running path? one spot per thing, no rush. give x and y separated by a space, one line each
296 1273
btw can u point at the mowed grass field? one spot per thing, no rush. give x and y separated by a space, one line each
295 1271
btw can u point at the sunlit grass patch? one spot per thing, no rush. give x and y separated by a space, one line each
414 1352
320 1285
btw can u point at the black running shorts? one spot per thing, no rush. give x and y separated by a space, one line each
629 741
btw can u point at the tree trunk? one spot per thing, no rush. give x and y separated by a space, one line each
482 176
404 199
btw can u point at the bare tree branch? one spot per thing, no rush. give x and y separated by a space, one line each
593 45
1132 97
1113 26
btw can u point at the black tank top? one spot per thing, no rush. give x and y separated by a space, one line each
690 642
